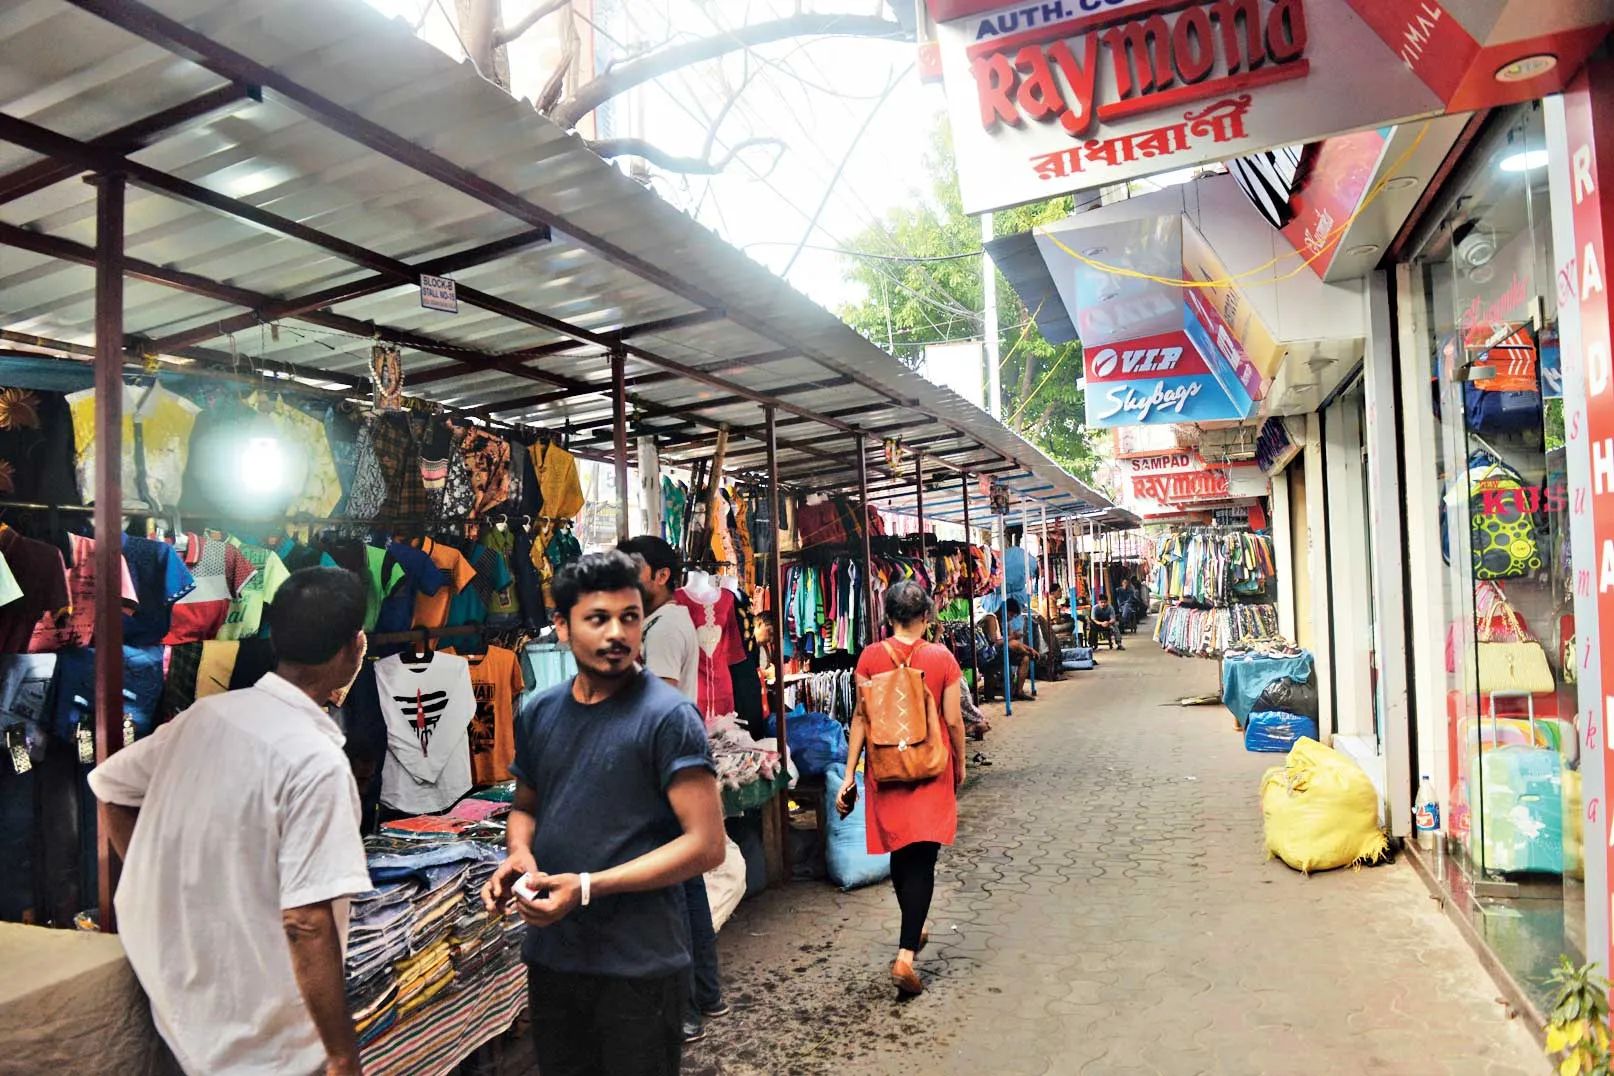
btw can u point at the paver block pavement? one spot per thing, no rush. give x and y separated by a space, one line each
1109 909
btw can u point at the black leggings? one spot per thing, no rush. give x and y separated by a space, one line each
913 876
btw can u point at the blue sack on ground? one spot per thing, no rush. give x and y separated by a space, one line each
1273 731
816 740
846 848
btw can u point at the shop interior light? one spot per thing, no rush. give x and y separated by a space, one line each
262 465
1526 160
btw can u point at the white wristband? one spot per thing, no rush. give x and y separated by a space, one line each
584 879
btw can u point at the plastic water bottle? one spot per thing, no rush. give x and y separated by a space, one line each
1426 815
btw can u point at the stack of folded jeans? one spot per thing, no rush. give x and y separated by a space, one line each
477 946
376 1008
437 906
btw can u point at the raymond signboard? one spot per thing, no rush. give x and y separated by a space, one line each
1075 94
1065 95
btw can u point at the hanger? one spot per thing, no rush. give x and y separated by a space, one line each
419 652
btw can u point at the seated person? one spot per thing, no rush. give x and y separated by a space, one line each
1106 621
1020 653
1063 623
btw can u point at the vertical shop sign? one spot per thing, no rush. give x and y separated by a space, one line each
1589 117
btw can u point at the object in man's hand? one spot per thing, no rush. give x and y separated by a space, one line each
846 801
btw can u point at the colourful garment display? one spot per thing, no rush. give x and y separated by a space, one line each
153 462
722 644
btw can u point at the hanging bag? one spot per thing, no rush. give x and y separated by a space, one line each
1510 659
1503 531
902 724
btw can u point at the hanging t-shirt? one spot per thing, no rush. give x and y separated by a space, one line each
718 633
161 579
505 607
77 628
405 573
431 608
245 618
497 681
558 485
43 574
157 427
428 708
472 605
221 572
311 466
217 667
36 447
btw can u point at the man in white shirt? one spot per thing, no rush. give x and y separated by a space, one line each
238 825
672 652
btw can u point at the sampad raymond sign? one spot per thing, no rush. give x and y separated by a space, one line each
1073 94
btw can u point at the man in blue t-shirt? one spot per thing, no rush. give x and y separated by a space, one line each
616 804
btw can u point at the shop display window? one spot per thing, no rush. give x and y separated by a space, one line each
1484 297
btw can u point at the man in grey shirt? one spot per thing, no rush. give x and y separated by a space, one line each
672 652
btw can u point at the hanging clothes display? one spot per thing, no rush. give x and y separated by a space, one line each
1213 566
157 428
722 642
833 693
674 500
1206 633
497 681
428 702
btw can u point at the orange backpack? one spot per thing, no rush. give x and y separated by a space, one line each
902 724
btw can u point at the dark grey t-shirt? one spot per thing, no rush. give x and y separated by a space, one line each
601 773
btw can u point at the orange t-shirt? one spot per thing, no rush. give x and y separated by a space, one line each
496 679
431 610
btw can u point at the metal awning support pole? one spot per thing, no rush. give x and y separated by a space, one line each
108 510
871 613
969 587
1070 567
619 397
1047 573
1030 620
1003 614
776 617
919 498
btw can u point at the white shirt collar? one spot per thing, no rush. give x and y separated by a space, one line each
298 699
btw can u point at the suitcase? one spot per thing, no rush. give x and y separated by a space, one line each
1521 799
1078 658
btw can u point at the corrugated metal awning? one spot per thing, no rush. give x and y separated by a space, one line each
299 163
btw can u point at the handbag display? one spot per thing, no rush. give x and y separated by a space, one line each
1510 659
902 724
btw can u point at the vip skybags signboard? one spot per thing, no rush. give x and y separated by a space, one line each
1068 95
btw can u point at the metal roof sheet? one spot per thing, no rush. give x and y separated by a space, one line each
617 257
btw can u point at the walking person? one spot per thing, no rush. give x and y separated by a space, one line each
910 820
616 805
672 652
238 826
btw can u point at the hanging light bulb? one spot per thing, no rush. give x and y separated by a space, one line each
261 466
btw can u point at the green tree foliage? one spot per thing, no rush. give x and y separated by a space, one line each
909 304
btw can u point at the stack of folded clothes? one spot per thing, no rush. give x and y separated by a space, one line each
437 905
422 977
378 934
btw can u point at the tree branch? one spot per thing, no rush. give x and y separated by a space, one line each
532 18
697 166
666 60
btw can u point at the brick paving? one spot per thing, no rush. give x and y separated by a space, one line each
1109 909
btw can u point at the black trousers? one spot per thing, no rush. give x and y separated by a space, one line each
913 876
604 1025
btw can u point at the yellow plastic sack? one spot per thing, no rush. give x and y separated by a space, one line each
1321 810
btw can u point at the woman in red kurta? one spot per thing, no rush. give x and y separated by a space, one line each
911 821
